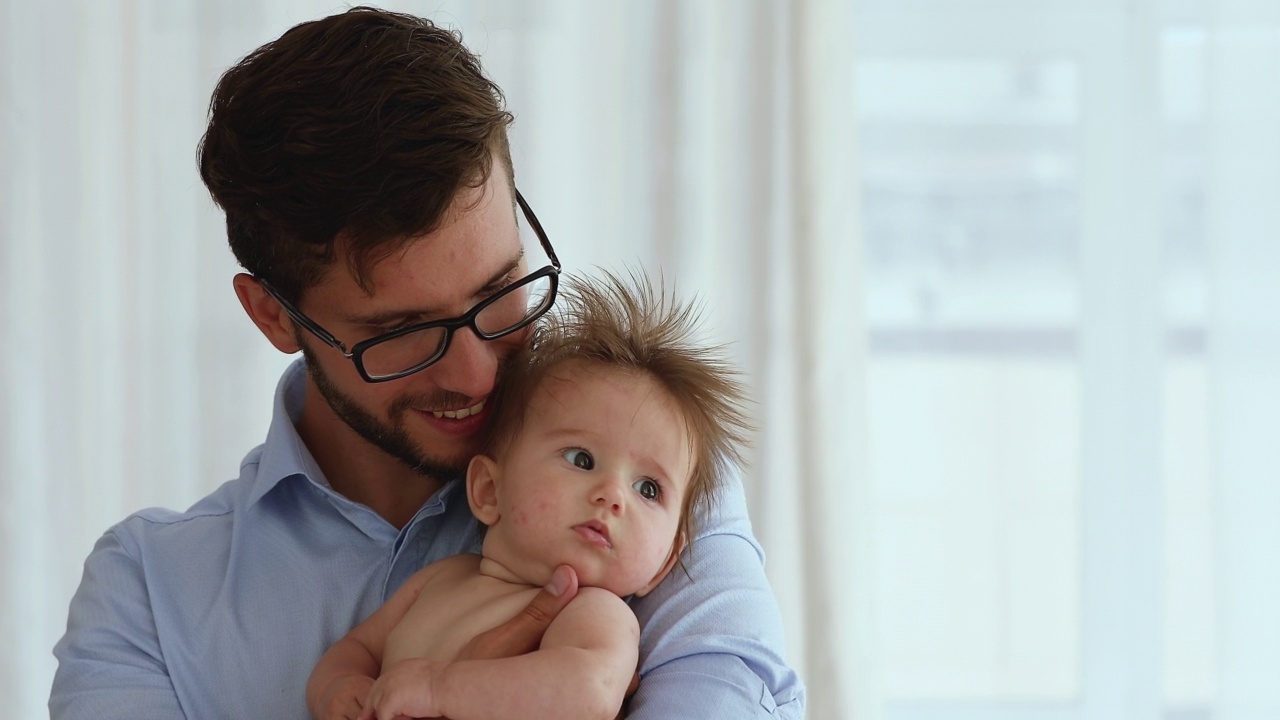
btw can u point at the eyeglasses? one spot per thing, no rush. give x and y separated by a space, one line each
409 349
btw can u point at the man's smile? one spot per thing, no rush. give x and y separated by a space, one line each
460 414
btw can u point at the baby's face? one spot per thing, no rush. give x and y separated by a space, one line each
594 479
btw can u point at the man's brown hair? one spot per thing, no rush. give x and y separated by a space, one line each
616 323
364 125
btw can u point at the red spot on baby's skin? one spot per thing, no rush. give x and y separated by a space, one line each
522 518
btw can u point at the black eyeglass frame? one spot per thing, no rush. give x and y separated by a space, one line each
450 325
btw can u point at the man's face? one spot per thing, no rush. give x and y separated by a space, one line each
429 420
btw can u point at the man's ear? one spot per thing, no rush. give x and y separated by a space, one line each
482 489
266 313
676 548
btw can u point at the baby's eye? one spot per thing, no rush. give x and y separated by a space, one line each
648 489
579 458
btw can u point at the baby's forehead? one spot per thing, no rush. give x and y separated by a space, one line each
578 385
567 386
585 379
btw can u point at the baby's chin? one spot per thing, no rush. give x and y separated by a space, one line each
495 564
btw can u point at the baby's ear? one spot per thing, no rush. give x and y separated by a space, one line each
482 489
676 548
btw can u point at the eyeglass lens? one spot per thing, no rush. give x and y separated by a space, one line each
508 310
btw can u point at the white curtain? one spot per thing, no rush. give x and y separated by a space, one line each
1002 275
699 140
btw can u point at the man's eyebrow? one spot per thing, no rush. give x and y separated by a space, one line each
388 317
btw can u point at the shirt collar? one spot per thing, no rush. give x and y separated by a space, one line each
284 455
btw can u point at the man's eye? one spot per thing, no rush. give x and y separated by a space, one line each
506 283
579 458
380 330
648 489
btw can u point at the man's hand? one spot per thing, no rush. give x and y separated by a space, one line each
344 698
523 633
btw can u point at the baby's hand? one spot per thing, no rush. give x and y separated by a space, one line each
344 699
403 690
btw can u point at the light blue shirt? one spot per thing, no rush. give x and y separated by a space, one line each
221 611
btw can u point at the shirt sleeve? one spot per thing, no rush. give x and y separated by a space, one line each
711 643
110 663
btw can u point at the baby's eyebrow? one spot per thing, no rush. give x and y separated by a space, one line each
565 434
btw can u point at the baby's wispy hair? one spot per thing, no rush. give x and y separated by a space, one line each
625 323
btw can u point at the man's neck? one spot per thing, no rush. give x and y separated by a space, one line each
357 469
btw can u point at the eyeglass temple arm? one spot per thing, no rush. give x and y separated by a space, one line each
537 229
307 323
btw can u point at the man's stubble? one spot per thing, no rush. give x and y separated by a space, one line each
390 435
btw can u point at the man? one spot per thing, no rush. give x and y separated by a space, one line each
363 165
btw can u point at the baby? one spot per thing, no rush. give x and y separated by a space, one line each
610 435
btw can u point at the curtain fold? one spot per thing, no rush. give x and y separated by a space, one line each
1121 364
1243 227
829 354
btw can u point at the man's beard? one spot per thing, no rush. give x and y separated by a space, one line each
390 437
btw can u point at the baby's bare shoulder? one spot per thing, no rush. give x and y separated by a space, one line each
444 572
600 597
596 618
600 605
454 568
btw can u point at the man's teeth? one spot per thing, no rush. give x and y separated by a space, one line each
459 414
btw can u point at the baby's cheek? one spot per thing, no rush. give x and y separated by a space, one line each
523 513
655 555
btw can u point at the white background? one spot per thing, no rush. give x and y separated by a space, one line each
1003 275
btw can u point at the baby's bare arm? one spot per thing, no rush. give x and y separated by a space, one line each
341 680
581 670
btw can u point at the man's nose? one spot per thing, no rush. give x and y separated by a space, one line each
470 365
